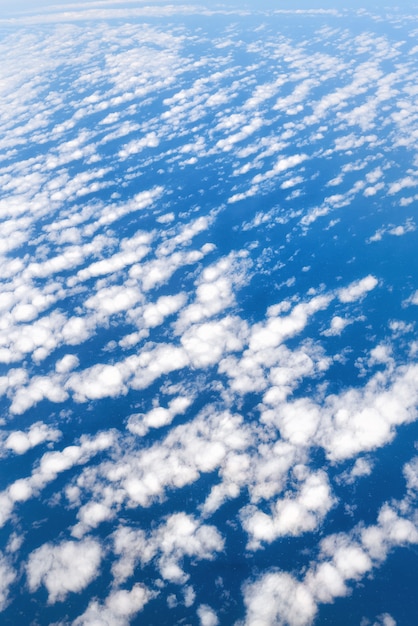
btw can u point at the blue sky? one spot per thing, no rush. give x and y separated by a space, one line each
208 334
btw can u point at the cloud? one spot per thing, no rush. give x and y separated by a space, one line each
118 609
67 363
396 231
132 251
7 578
279 328
357 289
337 326
90 516
291 515
158 416
215 289
99 381
137 145
20 442
154 314
362 467
207 616
64 568
385 620
120 281
277 598
281 165
178 537
39 388
50 465
206 343
111 300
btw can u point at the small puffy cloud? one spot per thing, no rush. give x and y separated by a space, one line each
77 329
99 381
137 145
65 568
277 598
39 388
279 328
118 609
412 299
159 416
91 515
403 183
207 616
19 442
200 446
337 326
67 363
215 289
179 536
205 344
38 339
281 165
292 515
154 314
385 620
115 299
396 231
357 289
7 578
359 420
362 467
50 466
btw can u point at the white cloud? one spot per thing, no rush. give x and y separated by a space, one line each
111 300
178 537
90 516
396 231
337 326
207 616
118 609
214 291
277 598
99 381
67 363
158 416
7 578
291 515
50 465
64 568
205 344
20 441
154 314
385 620
362 467
357 289
87 265
280 166
137 145
39 388
277 329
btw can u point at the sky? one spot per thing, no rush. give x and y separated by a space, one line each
209 287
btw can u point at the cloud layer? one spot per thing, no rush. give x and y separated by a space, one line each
207 332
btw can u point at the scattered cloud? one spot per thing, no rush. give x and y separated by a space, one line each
165 351
64 568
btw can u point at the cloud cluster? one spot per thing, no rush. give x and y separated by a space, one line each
64 568
192 323
119 608
278 597
178 537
